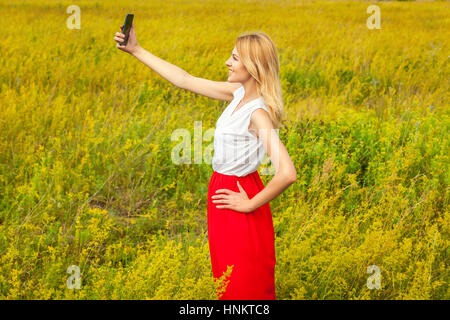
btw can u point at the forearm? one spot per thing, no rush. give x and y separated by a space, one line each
165 69
275 187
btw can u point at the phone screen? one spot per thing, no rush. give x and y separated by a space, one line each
127 26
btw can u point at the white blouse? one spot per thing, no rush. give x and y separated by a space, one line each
237 151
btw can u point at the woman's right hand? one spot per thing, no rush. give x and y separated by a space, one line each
132 44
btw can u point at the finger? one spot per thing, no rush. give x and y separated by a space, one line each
220 196
240 188
119 34
224 191
221 201
118 39
224 206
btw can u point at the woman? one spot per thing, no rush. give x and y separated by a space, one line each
240 227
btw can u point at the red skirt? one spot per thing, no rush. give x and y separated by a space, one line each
245 241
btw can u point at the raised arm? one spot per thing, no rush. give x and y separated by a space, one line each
221 90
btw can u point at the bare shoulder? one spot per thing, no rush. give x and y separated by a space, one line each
260 119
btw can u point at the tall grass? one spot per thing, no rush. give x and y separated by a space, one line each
86 176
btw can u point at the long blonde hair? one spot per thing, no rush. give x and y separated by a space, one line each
259 55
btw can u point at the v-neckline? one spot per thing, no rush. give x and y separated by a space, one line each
235 111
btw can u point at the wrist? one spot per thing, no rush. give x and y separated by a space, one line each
135 51
252 205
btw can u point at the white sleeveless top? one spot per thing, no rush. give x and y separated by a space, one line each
237 151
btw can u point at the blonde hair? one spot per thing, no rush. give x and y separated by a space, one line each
259 55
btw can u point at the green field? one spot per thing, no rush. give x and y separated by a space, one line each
86 176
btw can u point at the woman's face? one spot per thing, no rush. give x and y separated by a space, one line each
236 70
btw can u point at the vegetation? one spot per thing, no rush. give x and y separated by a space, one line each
86 176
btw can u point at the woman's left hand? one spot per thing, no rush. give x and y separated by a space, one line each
237 201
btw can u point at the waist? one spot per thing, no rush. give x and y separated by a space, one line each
254 173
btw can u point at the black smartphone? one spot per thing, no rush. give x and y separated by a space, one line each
126 27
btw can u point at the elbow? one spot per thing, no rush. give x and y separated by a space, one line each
182 80
290 176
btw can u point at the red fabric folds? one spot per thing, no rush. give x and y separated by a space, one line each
244 240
